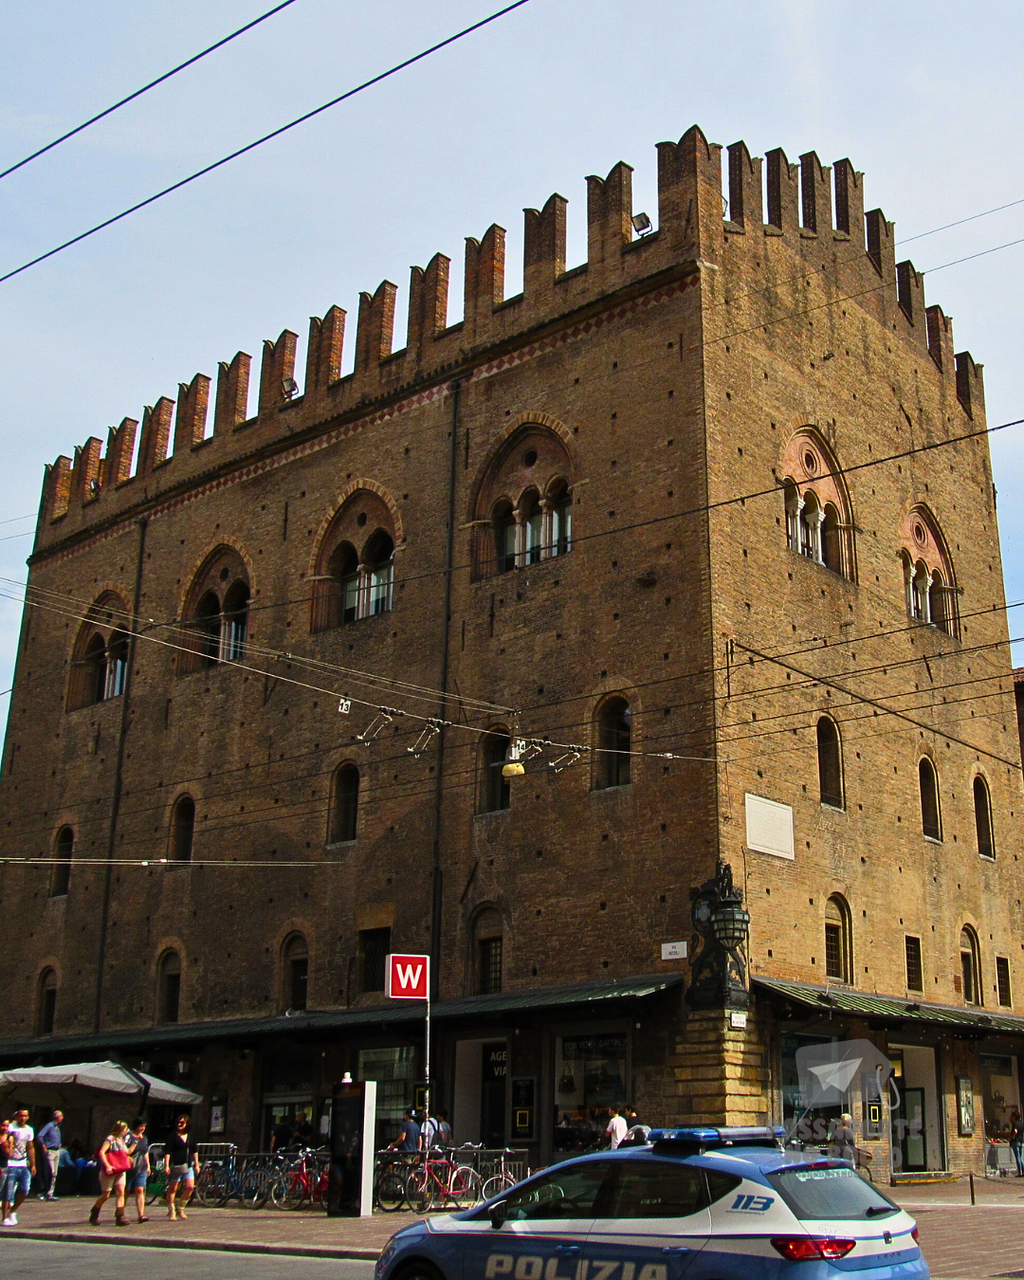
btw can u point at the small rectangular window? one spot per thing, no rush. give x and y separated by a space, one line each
1003 980
915 973
298 982
490 966
374 946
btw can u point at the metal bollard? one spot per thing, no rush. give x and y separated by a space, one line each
970 1177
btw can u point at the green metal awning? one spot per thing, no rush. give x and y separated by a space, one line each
401 1012
865 1004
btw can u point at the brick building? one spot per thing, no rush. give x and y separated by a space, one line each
707 524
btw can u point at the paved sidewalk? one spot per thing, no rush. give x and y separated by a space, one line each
961 1241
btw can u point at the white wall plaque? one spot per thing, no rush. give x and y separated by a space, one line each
769 826
673 951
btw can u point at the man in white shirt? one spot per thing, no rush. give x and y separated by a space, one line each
21 1167
616 1130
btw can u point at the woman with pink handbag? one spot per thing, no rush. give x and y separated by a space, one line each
114 1162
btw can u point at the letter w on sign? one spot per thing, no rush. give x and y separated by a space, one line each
408 977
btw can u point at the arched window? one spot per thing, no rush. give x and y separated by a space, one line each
344 804
819 518
46 1003
236 622
99 662
533 521
504 537
495 790
931 818
63 848
614 738
379 559
95 662
970 966
207 629
928 577
117 665
983 818
488 946
354 570
521 511
168 986
295 966
183 826
561 518
216 612
830 765
838 939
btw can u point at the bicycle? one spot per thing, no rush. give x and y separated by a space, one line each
441 1181
221 1181
389 1183
501 1181
303 1183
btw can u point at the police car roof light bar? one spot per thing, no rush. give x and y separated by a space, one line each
702 1137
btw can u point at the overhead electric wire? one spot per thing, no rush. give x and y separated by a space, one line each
267 137
145 89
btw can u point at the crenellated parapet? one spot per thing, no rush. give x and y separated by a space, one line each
773 210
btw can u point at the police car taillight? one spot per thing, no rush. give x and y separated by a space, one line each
914 1233
811 1248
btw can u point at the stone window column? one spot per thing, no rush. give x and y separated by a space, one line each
814 523
547 535
793 510
520 518
363 592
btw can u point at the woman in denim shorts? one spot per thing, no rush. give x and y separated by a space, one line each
138 1176
182 1165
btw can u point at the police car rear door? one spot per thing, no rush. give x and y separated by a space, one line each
545 1230
654 1224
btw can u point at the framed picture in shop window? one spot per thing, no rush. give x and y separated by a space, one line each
965 1106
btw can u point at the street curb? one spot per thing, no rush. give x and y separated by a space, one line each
222 1246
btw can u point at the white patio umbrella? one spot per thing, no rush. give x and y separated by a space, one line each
87 1082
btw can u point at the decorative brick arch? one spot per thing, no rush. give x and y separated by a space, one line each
110 618
198 565
819 512
498 451
929 576
350 489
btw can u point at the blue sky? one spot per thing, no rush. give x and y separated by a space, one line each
924 99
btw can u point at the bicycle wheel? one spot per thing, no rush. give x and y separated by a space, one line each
495 1185
300 1192
389 1189
212 1186
419 1190
255 1189
156 1187
466 1187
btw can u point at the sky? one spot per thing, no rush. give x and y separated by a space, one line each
925 100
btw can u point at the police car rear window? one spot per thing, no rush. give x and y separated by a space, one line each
836 1193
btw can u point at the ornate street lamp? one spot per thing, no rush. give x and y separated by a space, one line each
723 925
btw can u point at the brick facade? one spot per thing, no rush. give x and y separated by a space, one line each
697 401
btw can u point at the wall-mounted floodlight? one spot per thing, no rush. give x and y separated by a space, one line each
642 224
290 388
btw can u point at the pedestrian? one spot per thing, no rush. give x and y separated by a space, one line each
304 1134
21 1167
181 1163
282 1135
6 1142
138 1176
114 1162
445 1136
50 1143
409 1137
1017 1140
616 1129
843 1141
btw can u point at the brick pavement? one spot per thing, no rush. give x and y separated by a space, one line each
960 1241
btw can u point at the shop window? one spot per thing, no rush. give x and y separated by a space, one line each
46 1008
488 931
915 971
1003 981
838 949
614 740
495 789
183 826
970 966
169 987
394 1069
590 1077
295 957
983 818
374 948
931 824
830 767
344 805
64 847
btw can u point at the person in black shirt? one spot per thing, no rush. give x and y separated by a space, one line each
181 1163
282 1136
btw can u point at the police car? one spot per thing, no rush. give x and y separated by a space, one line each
700 1203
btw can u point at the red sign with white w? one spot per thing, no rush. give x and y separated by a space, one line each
408 977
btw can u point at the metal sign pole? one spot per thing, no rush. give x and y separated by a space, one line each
426 1056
